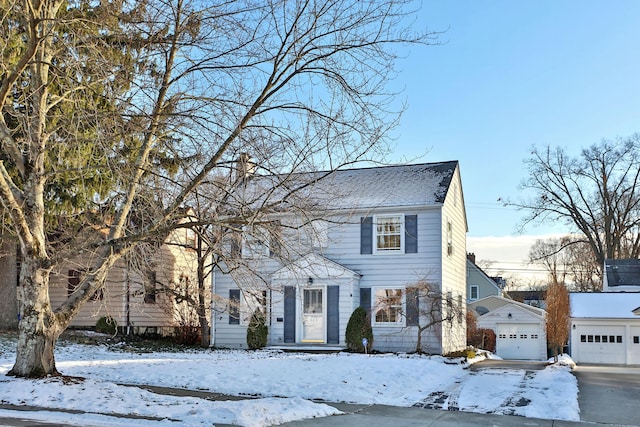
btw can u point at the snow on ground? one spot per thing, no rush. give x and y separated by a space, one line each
285 382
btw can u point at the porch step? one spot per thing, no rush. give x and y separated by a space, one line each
305 348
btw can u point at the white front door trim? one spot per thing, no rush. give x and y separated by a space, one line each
313 314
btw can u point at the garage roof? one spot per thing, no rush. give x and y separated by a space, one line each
617 305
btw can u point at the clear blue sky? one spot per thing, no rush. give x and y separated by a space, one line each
511 75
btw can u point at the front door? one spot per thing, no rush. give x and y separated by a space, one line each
313 315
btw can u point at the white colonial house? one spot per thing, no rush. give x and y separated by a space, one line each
374 234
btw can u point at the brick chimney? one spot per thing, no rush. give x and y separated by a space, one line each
245 167
471 257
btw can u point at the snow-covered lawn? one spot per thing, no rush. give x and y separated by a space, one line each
285 382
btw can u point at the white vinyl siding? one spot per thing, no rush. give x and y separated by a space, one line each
454 264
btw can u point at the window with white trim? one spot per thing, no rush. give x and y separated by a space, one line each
256 242
389 234
249 302
319 231
389 307
474 292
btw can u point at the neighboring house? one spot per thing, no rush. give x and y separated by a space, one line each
381 231
146 292
605 328
621 275
532 298
479 285
520 329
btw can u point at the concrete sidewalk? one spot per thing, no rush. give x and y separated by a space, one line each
354 416
384 416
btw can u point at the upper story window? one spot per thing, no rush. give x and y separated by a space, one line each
319 234
190 238
389 233
449 238
256 242
474 292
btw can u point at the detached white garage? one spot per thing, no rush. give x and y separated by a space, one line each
520 329
605 328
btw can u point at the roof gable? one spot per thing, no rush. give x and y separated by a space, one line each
314 266
514 306
493 302
473 268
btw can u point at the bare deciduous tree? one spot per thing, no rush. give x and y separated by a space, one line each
130 110
568 260
429 307
595 194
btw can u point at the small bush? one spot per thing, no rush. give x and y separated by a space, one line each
107 325
466 354
257 332
187 334
484 339
359 327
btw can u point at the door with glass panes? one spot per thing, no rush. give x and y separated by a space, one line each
313 315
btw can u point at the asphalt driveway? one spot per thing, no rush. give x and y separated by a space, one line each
609 394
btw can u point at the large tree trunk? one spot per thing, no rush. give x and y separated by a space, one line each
38 327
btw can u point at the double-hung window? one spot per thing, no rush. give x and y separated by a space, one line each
389 307
389 233
251 301
474 292
256 242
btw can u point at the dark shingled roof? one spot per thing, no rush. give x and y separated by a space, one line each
384 186
622 272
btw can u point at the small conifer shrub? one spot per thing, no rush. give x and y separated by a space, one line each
107 325
359 327
257 331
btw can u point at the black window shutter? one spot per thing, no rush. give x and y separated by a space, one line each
413 307
289 314
366 235
234 306
411 234
274 239
365 300
236 244
333 314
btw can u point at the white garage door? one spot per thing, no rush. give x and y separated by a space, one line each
520 341
601 344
